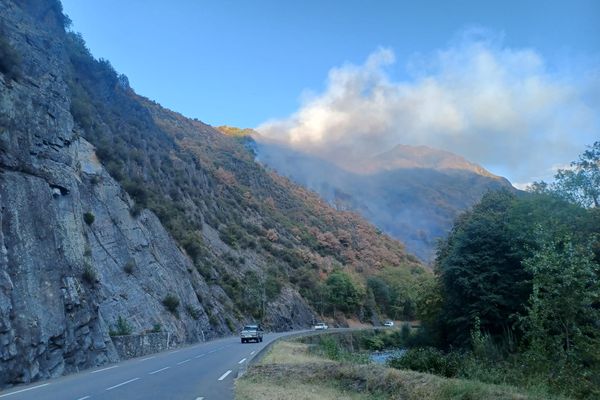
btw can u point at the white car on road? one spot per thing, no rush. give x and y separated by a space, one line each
320 326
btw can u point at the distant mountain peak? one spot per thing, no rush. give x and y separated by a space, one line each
415 157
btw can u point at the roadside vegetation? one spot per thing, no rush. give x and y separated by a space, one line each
307 371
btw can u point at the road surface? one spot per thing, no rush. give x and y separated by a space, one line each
203 371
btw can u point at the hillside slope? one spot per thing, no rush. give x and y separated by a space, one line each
114 207
411 193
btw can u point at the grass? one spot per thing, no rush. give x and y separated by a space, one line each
292 371
255 390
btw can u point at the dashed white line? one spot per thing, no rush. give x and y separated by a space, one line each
104 369
175 351
24 390
148 358
122 383
253 352
241 361
184 361
224 375
200 355
199 398
84 397
158 370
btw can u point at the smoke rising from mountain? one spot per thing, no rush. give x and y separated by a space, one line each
501 107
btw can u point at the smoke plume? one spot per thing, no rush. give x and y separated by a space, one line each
501 107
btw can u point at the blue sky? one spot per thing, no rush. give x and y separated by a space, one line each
245 63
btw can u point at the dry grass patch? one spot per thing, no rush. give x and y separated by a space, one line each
266 390
291 353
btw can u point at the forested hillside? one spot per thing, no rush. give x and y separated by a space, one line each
243 226
412 193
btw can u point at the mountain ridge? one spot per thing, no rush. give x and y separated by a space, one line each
411 198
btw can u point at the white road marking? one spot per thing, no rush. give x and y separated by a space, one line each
241 361
84 397
122 383
148 358
104 369
24 390
200 355
199 398
158 370
212 351
253 352
224 375
184 361
175 351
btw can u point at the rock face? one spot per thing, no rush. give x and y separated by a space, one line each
63 279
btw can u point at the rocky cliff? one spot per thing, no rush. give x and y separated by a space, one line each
67 230
114 209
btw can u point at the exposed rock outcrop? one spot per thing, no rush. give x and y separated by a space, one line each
63 281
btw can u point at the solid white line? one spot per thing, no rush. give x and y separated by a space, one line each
184 361
157 371
224 375
175 351
200 355
84 397
148 358
241 361
122 383
103 369
24 390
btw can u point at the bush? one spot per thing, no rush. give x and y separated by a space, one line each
192 312
122 328
405 332
89 218
129 267
10 60
430 360
156 328
171 303
89 274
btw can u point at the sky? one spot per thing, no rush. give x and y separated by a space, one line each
511 85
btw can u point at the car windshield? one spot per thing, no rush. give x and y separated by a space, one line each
250 327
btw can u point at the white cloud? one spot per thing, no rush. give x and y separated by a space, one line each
497 106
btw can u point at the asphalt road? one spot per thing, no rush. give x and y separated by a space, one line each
203 371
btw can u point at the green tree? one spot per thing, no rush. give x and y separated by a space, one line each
479 267
342 293
381 293
581 182
562 319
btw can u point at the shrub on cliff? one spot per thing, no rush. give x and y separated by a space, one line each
10 59
89 218
171 303
121 327
89 274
